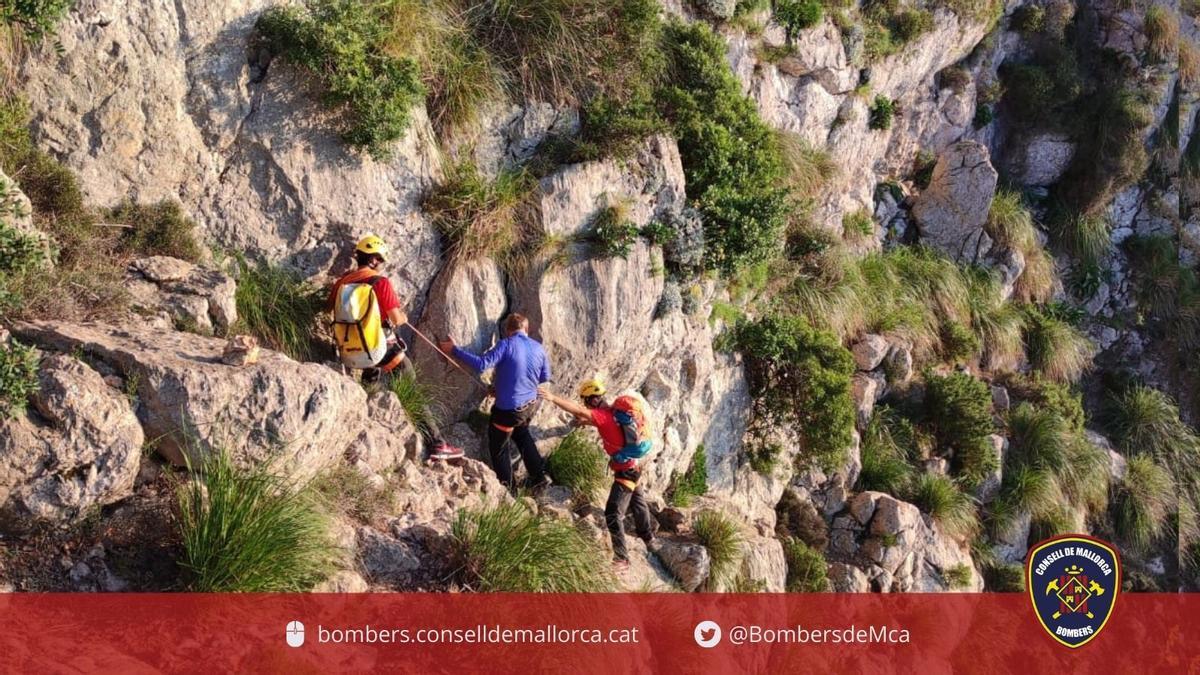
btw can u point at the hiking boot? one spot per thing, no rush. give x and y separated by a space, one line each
445 451
654 545
538 487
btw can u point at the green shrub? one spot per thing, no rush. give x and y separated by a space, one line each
578 463
35 18
796 15
1142 501
881 113
157 229
510 549
885 460
731 159
1146 421
18 378
923 166
723 540
416 397
276 305
941 498
614 126
19 252
910 24
250 530
1056 349
1057 397
959 576
692 483
959 410
613 232
857 225
349 492
1029 89
477 216
344 44
959 343
763 457
1004 578
878 42
984 114
806 568
800 378
1028 19
955 78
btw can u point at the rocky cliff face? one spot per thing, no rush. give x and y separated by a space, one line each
150 101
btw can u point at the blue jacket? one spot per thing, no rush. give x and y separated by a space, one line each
521 365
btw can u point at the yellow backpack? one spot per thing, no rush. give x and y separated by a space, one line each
358 324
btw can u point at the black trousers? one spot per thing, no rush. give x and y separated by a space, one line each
620 498
424 421
514 424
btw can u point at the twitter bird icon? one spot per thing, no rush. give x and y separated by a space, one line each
707 634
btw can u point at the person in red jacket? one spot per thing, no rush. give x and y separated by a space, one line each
370 255
625 492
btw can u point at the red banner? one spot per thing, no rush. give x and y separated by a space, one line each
501 633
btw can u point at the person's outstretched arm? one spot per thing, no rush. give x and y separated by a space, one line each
581 413
486 361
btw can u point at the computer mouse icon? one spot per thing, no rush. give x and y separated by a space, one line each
295 633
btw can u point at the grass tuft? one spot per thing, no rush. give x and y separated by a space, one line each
276 305
251 530
1142 502
578 463
692 483
510 549
806 568
723 540
157 229
479 217
942 499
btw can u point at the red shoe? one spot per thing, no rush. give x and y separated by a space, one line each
619 565
446 451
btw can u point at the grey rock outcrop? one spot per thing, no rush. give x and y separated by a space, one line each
1041 160
869 351
300 417
78 449
689 563
202 300
952 211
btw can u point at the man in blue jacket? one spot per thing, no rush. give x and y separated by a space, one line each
520 366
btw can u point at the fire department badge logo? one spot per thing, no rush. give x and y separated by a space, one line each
1073 581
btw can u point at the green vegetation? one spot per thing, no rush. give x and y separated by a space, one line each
510 549
881 113
923 165
959 576
157 229
477 216
763 457
731 160
578 463
1011 226
1169 291
796 15
809 169
613 232
721 537
1146 421
1057 397
800 378
1056 349
887 453
18 378
1142 502
344 43
35 18
1005 578
1028 19
251 530
349 492
910 24
276 305
806 571
1161 26
959 410
692 483
941 498
797 518
416 397
857 225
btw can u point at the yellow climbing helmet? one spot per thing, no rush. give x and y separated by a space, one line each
373 245
592 387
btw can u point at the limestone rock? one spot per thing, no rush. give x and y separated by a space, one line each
866 389
79 451
899 365
18 214
1012 542
300 416
688 563
848 579
893 516
764 564
1001 401
200 299
952 211
1041 160
343 581
870 351
862 507
240 351
1116 461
